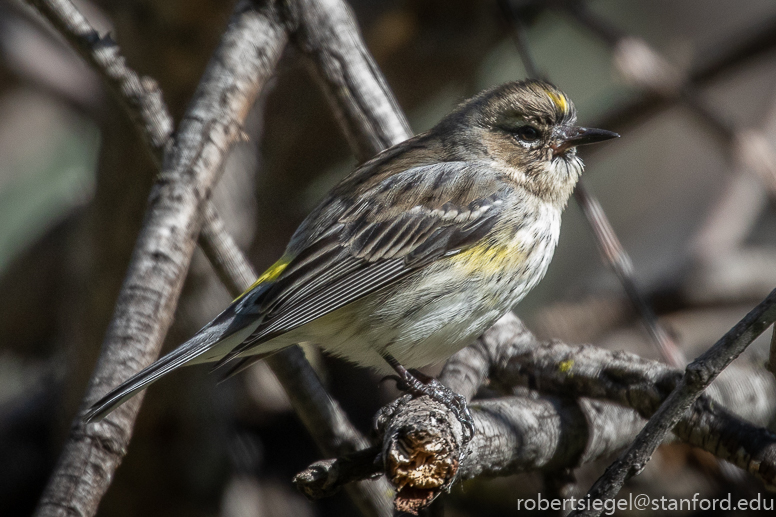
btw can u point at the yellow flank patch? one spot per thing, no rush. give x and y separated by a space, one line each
489 259
272 272
559 100
565 366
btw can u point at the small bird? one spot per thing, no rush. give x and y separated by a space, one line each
415 253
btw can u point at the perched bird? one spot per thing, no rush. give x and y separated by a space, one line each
414 254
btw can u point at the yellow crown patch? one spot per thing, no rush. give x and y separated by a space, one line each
559 100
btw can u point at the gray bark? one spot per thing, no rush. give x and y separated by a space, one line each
235 76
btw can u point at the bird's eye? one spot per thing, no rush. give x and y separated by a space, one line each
528 133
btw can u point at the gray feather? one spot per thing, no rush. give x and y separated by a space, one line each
218 338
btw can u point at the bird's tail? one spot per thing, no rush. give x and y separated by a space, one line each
209 344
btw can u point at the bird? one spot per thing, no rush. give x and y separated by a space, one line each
415 253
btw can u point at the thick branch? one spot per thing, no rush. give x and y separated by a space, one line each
510 356
364 104
422 440
240 67
627 379
641 384
513 434
327 48
323 418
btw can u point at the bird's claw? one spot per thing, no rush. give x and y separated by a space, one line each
437 391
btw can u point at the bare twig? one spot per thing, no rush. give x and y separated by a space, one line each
237 72
326 477
698 376
615 256
140 95
609 245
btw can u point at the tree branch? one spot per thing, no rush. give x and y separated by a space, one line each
327 33
326 47
142 99
364 104
140 96
422 443
236 74
697 377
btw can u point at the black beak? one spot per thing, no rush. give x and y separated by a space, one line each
572 136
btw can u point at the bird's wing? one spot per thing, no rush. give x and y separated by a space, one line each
393 229
346 249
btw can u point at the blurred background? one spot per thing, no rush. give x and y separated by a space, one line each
689 189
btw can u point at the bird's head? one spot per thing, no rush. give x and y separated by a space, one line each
528 130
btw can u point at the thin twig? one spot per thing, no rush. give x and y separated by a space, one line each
698 375
608 244
618 260
140 96
235 75
325 478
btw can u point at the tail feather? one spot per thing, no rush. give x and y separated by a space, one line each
218 338
241 365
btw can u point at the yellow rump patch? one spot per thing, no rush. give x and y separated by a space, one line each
559 100
272 273
566 366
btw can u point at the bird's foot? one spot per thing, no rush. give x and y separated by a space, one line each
418 384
